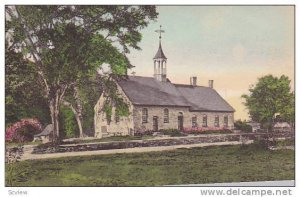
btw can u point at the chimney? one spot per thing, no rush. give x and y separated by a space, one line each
193 81
211 83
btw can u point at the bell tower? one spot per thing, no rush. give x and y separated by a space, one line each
160 61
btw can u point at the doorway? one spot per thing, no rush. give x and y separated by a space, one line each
180 121
155 123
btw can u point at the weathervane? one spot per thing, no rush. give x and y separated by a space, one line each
160 31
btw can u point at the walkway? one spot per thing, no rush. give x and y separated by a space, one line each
284 183
29 148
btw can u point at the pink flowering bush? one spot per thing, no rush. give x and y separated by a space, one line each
23 130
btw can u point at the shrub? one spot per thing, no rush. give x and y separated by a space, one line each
141 133
242 126
172 132
23 130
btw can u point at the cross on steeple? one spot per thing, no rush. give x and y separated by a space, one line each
160 31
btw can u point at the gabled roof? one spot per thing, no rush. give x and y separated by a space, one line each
149 91
160 54
203 98
47 131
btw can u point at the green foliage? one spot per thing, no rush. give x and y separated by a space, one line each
285 142
242 126
108 111
122 108
224 131
113 98
287 113
90 89
68 124
270 95
22 91
172 132
10 174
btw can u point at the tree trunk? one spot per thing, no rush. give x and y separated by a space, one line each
54 110
78 109
54 105
79 123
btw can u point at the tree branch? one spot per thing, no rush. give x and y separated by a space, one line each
33 51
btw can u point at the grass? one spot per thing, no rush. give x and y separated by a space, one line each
181 166
14 144
286 142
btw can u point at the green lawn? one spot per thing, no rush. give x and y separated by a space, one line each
12 144
182 166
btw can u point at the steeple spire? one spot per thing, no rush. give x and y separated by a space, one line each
160 53
160 61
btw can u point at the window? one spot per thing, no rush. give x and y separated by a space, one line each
194 121
225 121
217 121
166 115
144 115
117 117
204 121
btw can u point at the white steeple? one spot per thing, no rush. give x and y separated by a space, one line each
160 61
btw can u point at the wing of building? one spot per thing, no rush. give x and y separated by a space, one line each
156 103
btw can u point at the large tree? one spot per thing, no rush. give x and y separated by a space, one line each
270 96
65 43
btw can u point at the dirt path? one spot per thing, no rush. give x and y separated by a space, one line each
27 151
29 148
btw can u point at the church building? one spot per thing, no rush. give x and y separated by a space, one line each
156 103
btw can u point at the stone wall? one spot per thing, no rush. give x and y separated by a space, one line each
123 127
173 118
13 154
145 143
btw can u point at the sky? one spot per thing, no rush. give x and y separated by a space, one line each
232 45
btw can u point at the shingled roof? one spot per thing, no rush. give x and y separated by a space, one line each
149 91
203 98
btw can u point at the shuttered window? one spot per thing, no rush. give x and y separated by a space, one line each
225 121
144 115
194 121
217 121
166 115
204 121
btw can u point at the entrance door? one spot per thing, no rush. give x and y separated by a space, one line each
155 123
180 121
